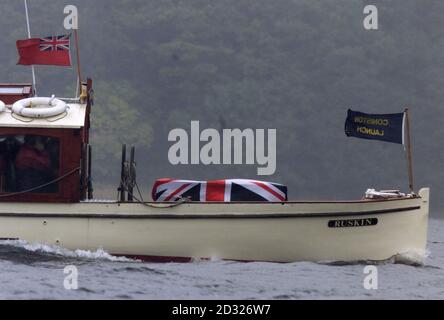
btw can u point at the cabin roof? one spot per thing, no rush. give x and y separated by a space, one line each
75 119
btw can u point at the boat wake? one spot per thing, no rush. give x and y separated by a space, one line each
20 246
413 258
416 258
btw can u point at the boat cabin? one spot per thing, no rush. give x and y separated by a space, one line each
44 159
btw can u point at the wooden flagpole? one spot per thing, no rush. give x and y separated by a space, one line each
79 72
29 37
409 150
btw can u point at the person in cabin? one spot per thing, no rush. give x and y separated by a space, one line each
33 165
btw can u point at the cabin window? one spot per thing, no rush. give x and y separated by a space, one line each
29 163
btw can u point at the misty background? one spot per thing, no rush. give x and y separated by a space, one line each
291 65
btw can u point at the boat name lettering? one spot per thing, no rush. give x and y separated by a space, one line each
353 223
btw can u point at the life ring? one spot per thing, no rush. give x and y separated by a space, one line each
2 106
25 107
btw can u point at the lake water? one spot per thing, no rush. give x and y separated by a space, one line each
33 271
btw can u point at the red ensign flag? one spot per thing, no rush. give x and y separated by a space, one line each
52 51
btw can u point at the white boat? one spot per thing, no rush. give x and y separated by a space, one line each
64 212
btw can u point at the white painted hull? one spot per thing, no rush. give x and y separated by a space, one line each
294 231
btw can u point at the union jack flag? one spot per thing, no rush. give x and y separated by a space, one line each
170 190
55 43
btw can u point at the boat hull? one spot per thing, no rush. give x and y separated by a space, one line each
274 232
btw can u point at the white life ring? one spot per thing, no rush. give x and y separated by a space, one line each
2 106
25 107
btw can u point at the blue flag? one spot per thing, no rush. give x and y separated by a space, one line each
384 127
